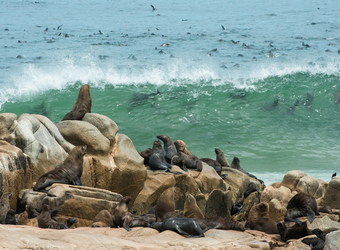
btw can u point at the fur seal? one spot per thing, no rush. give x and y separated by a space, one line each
142 220
146 155
184 226
259 220
220 223
169 148
251 188
24 220
82 106
191 210
102 219
10 218
45 220
166 206
316 243
302 204
214 164
31 211
181 147
235 164
121 216
68 173
157 160
237 206
185 161
220 158
4 206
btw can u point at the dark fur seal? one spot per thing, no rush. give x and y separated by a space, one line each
146 155
121 216
169 148
142 220
45 220
157 160
237 206
182 147
251 188
68 173
221 158
316 243
191 210
302 204
220 223
10 218
166 206
259 220
184 226
31 211
185 161
4 206
214 164
103 219
235 164
82 105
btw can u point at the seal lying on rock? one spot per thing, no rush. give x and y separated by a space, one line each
102 219
157 160
302 204
121 216
237 206
4 206
169 147
259 220
24 220
212 163
316 243
68 173
184 226
45 220
185 161
220 223
82 105
251 188
10 218
235 164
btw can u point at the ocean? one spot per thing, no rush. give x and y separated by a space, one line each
259 80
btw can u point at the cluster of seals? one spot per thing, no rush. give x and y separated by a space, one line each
185 161
191 209
46 221
82 106
4 206
258 219
68 173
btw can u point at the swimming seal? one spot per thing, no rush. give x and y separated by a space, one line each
121 216
181 147
4 206
169 147
185 161
191 210
157 160
166 206
302 204
68 172
184 226
102 219
82 106
259 220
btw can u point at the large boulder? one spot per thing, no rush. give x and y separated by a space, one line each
332 240
332 194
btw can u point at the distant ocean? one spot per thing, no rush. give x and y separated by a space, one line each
258 79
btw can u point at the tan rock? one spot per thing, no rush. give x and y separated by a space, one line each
277 210
291 179
309 185
332 194
8 123
332 240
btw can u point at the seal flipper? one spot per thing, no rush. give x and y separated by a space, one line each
77 182
310 215
174 172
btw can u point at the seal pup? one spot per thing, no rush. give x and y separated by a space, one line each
220 223
237 206
45 220
157 160
258 219
235 164
169 148
185 161
221 158
166 206
10 218
191 210
82 106
184 226
121 216
251 188
24 220
31 211
68 172
4 206
181 147
302 204
316 243
103 219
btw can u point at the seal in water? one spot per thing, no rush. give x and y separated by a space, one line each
185 161
68 173
302 204
259 220
121 216
169 147
184 226
82 105
157 160
191 210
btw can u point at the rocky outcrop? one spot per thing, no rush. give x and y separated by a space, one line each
332 194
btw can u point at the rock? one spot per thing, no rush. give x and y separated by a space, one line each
332 194
276 210
79 202
325 224
8 123
309 185
292 178
332 240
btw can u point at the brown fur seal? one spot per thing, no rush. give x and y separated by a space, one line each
181 147
169 148
185 161
82 105
191 210
121 216
157 160
166 206
302 204
220 223
142 220
259 220
4 206
45 220
220 158
68 173
102 219
235 164
10 218
184 226
31 211
24 220
146 155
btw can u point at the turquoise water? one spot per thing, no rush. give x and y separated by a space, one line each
205 72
